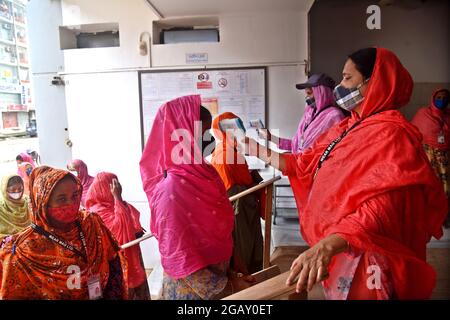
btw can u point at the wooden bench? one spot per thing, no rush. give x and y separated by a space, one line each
274 288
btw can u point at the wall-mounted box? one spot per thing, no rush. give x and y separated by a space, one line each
99 35
186 30
189 35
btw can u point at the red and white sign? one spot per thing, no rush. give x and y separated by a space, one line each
204 85
17 107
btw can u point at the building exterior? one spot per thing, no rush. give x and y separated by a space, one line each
16 105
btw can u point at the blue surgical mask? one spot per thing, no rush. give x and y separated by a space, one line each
348 98
441 103
28 171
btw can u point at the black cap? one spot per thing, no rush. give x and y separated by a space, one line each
319 79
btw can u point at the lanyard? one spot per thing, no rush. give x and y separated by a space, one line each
63 243
331 146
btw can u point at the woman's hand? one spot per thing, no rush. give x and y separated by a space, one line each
116 189
311 266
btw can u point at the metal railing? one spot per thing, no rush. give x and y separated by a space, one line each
268 187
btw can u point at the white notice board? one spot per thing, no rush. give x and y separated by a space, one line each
238 90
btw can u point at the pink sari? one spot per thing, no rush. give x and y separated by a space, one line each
122 219
86 180
27 159
191 216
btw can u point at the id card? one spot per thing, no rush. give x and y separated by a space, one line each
94 287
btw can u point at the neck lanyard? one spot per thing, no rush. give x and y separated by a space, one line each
63 243
333 144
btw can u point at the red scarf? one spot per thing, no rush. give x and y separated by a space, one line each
381 155
432 122
122 219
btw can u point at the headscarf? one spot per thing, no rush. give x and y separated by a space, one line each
191 215
27 158
318 119
86 180
236 172
14 216
34 267
22 169
121 218
382 154
432 122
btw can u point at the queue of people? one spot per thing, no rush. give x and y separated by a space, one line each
371 190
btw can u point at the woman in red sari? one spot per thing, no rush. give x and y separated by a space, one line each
433 123
105 199
65 253
367 196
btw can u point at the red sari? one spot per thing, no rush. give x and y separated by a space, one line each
122 219
377 189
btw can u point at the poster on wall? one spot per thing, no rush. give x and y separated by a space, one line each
241 91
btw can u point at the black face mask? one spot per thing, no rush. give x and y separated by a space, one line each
310 101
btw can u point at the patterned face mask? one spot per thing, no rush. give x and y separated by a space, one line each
64 214
348 99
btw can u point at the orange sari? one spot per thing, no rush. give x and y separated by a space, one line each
34 267
237 171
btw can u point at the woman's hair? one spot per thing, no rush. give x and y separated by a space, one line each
364 59
205 115
19 157
14 181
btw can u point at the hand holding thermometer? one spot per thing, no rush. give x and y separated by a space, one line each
257 124
261 131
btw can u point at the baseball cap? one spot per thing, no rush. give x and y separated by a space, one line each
318 79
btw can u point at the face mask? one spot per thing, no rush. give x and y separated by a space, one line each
310 101
348 99
15 195
441 103
28 171
65 214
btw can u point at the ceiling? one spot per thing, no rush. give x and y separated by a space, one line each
180 8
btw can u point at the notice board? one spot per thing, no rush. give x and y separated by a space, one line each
238 90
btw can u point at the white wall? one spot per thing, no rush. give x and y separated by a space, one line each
103 107
133 16
419 37
44 17
103 114
246 38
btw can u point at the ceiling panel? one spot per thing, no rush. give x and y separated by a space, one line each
180 8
